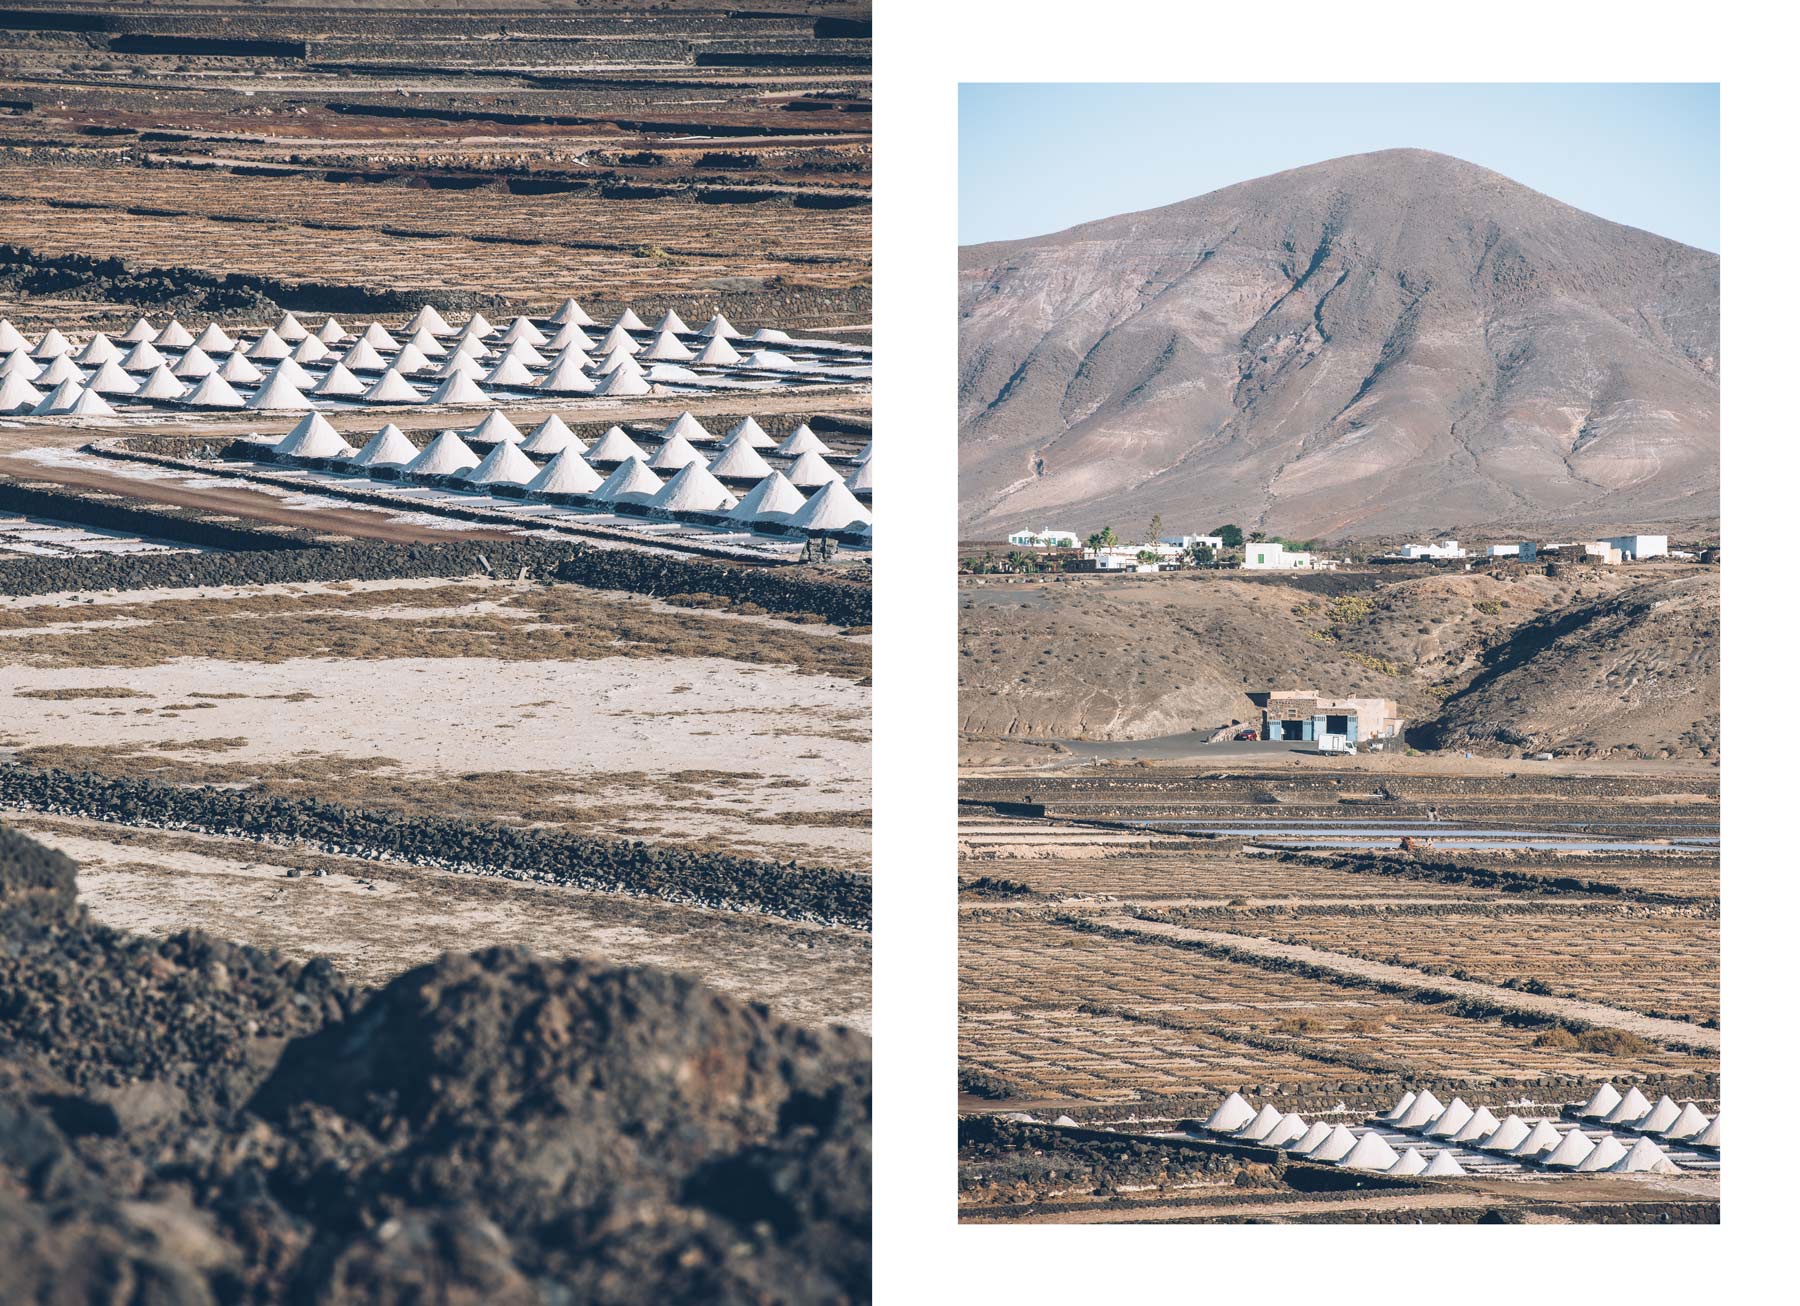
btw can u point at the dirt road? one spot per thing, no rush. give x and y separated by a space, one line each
249 503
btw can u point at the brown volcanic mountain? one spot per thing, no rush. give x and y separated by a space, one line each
1389 342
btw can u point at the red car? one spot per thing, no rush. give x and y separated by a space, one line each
1246 736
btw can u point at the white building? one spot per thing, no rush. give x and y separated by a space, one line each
1044 539
1270 556
1125 557
1440 549
1635 548
1186 542
1525 552
1121 560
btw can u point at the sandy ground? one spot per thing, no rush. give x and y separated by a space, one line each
608 730
376 919
1598 1189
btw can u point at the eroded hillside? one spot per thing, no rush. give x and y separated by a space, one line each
1391 341
1585 662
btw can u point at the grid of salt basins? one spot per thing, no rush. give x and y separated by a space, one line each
289 367
682 475
1612 1132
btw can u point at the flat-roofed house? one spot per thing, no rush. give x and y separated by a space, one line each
1306 716
1265 555
1437 549
1186 542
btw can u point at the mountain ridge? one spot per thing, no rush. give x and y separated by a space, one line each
1386 342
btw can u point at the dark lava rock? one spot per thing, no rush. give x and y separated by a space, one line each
191 1121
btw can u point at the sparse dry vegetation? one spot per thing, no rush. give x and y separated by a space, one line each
517 622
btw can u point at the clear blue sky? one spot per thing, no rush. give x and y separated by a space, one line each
1037 158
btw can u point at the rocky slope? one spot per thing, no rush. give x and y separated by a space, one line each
1397 341
1636 671
1590 661
190 1121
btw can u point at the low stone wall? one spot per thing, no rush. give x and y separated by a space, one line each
823 896
284 565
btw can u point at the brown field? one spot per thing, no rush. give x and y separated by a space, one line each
672 155
645 252
1580 951
1076 1020
1131 980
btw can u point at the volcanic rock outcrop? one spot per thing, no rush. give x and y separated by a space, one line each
185 1120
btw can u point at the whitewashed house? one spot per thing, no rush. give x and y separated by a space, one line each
1183 543
1044 539
1268 555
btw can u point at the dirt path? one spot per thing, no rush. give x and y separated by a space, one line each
248 503
1568 1009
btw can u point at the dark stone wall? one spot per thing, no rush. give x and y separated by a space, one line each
821 895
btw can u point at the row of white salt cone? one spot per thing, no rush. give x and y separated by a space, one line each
426 325
1456 1125
53 360
694 486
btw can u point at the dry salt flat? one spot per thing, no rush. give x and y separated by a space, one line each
804 737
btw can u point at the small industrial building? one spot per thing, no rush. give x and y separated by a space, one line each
1267 556
1635 548
1044 539
1304 716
